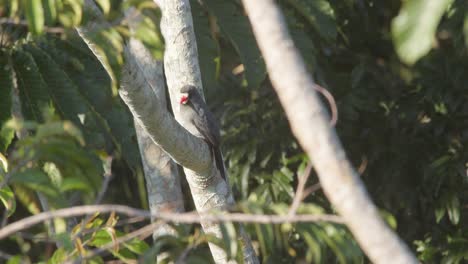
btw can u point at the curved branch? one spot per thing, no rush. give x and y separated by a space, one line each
161 173
308 120
176 141
183 147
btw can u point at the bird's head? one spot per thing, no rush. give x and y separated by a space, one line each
186 92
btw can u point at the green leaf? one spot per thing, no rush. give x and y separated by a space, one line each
28 198
95 86
137 246
59 128
6 88
453 210
230 239
8 199
66 241
67 100
71 160
208 47
59 256
414 28
74 183
389 218
34 16
314 252
101 238
15 260
105 6
148 32
439 213
50 11
70 12
107 44
32 88
235 25
35 180
319 14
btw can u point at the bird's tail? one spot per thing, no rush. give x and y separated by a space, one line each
219 161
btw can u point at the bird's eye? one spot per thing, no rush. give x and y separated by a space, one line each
184 99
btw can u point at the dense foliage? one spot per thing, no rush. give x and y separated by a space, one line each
397 70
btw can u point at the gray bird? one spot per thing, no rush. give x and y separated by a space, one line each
199 120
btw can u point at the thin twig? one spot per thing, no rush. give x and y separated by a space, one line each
311 189
105 184
4 255
331 102
107 178
187 218
298 197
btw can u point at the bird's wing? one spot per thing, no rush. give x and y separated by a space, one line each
207 126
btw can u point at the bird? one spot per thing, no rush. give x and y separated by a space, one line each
200 121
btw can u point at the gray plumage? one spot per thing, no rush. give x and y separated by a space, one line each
195 113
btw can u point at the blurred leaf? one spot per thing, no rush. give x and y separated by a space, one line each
74 184
414 28
34 16
208 47
50 11
14 7
27 198
65 240
3 163
228 231
148 32
8 199
32 88
6 89
70 12
59 128
319 14
64 94
453 210
137 246
237 28
35 180
439 213
15 260
107 45
59 256
105 6
95 86
389 218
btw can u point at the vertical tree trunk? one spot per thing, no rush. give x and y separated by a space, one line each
209 190
309 123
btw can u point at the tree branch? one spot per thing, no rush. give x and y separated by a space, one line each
161 173
209 190
183 147
308 120
185 218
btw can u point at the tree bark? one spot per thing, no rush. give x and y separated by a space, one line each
161 174
310 125
209 190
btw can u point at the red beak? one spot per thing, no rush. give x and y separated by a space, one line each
183 100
